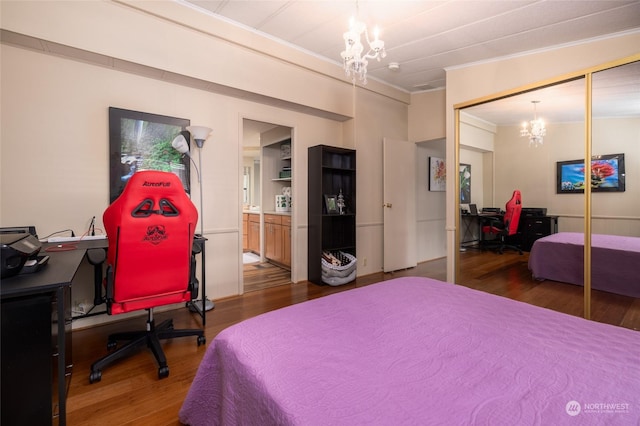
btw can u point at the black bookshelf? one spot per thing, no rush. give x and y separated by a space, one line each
331 170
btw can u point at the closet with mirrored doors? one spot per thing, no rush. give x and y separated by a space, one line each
588 115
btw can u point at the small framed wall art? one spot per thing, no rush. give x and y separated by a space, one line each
465 183
437 174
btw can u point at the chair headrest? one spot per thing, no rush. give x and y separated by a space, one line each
151 192
154 182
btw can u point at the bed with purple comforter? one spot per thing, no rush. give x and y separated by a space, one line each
417 351
615 261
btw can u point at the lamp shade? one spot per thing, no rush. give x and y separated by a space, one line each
199 132
180 142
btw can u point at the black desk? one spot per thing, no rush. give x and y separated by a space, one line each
532 228
36 315
471 228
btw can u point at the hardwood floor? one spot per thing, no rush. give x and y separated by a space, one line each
131 394
258 276
508 275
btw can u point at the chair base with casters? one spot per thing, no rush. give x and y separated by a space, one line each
136 339
499 245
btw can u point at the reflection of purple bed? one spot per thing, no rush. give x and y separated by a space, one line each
615 261
416 351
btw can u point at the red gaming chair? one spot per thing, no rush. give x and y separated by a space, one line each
500 229
150 262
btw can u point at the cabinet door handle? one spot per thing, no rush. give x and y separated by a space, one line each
387 205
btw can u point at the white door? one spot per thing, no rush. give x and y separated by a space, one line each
399 198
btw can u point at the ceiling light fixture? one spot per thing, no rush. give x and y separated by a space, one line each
534 129
355 64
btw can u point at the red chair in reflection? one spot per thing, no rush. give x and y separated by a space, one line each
150 262
500 229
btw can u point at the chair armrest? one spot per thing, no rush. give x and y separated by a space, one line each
194 284
196 247
96 257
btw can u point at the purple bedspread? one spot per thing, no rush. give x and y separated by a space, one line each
416 351
615 261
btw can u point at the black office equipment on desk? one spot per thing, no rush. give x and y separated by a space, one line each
490 210
534 211
18 248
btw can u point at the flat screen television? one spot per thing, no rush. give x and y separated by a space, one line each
607 174
142 141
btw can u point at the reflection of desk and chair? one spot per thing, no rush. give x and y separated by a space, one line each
472 223
499 230
36 319
533 223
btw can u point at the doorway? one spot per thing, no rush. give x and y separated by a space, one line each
266 204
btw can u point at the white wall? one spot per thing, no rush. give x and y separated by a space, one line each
533 171
476 148
376 117
57 176
427 115
430 205
427 129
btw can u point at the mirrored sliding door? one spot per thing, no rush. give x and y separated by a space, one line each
536 141
615 200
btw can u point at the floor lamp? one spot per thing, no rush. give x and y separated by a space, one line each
180 144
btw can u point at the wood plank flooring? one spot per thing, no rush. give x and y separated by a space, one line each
131 394
258 276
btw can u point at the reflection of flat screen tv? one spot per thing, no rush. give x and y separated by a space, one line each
607 175
142 141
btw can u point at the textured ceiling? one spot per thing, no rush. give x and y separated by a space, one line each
425 37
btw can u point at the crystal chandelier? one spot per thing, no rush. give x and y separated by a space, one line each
534 129
355 64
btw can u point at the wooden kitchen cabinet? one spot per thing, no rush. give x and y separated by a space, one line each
277 238
273 237
245 232
253 233
286 241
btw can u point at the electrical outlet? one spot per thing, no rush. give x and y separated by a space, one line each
364 261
